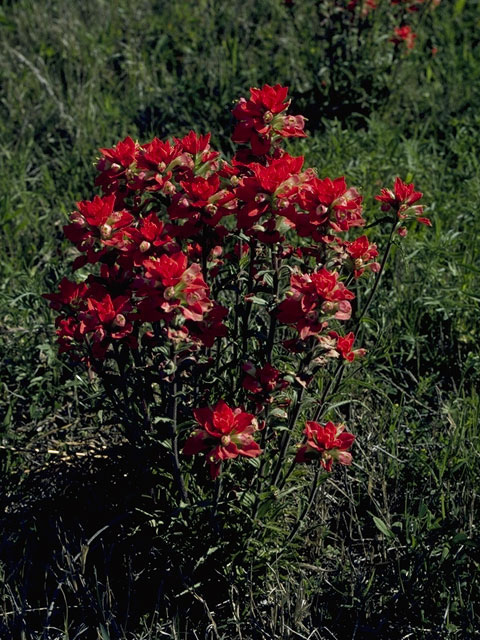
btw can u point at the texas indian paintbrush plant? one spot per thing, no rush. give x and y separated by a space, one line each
213 296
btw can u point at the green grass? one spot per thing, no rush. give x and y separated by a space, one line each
391 548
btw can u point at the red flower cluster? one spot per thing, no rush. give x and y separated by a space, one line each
167 247
263 384
312 299
225 433
404 34
401 201
327 444
262 119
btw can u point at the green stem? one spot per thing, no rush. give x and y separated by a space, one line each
173 414
377 279
311 499
287 435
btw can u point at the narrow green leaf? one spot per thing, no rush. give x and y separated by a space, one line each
382 527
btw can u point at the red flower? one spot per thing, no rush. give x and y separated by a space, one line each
267 192
144 242
97 221
327 202
401 200
106 319
70 294
261 118
120 156
202 201
114 164
225 433
156 161
328 286
311 297
68 332
262 381
404 34
361 253
194 143
344 346
171 285
167 269
327 443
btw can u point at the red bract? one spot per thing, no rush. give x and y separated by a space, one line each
70 294
262 381
114 164
361 253
327 203
171 285
68 334
312 298
145 241
268 193
327 444
401 201
97 223
156 162
404 34
106 319
225 433
119 157
202 201
167 270
197 144
261 119
328 286
343 345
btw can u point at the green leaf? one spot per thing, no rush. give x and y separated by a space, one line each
257 300
460 538
382 527
103 632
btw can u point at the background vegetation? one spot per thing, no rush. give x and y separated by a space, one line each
392 549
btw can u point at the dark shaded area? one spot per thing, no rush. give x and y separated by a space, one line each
85 547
